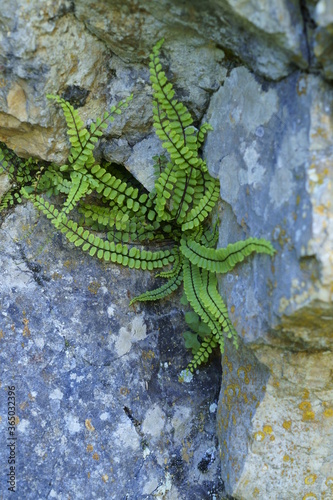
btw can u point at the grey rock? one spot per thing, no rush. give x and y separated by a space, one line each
100 410
272 148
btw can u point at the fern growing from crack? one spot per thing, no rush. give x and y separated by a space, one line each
167 229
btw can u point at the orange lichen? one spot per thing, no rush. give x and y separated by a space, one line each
286 424
310 479
90 448
96 456
105 478
308 416
259 436
305 405
89 425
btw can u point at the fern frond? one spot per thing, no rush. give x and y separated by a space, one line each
213 301
160 293
109 251
175 270
205 127
193 288
83 140
79 187
223 259
210 237
201 211
202 354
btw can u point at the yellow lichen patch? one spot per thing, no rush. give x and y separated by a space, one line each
95 456
186 453
286 425
310 496
256 492
272 438
89 425
310 479
328 412
308 416
306 394
227 363
105 478
26 330
232 309
242 373
267 429
24 405
2 334
93 287
286 458
124 391
259 436
329 482
90 448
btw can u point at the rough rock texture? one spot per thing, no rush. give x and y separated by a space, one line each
100 411
276 406
261 72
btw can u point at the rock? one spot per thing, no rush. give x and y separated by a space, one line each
323 37
272 150
100 410
102 48
103 414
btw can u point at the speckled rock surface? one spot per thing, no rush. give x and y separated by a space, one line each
99 409
97 383
276 405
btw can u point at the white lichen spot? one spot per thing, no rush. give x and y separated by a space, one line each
104 416
56 394
110 311
39 342
126 436
154 421
185 376
138 331
213 408
72 423
23 425
255 172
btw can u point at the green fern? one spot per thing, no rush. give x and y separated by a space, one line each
108 214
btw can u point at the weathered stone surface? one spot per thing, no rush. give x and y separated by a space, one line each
49 47
272 149
100 411
323 41
83 416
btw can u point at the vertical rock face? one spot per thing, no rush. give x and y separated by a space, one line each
99 409
276 405
88 371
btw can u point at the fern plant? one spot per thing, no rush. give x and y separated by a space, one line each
116 219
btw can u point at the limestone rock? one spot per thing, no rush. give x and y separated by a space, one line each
272 149
100 411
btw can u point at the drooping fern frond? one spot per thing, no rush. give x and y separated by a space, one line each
223 259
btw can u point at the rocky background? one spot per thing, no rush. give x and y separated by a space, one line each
100 411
